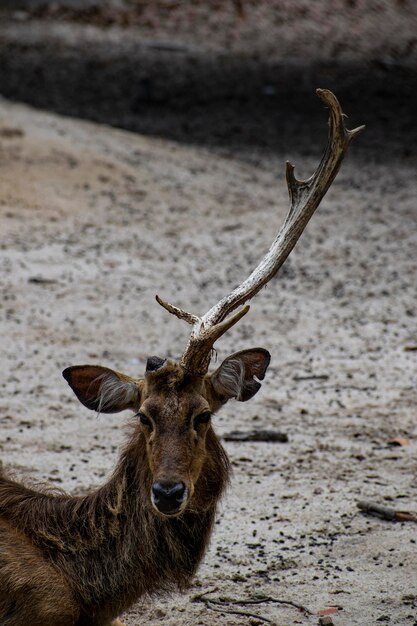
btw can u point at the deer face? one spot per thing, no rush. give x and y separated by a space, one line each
174 418
174 409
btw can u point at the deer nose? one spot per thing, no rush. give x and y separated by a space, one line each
167 497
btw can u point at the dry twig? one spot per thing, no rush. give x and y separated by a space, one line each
225 609
226 606
311 377
386 513
256 435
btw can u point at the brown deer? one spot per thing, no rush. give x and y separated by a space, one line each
81 561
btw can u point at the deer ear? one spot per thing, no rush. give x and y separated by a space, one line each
235 376
102 389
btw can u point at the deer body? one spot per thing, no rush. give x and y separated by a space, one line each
99 569
81 561
96 555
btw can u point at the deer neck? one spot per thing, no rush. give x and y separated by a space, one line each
140 551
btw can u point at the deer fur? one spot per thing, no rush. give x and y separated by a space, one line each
81 561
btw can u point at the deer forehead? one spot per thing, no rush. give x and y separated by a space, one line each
172 380
173 409
171 395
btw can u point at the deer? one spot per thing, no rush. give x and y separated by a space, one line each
84 560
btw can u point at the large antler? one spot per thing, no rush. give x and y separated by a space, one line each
305 197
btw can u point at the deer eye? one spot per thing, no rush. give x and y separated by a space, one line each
203 418
144 420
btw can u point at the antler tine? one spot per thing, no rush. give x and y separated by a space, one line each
305 197
197 355
180 313
202 339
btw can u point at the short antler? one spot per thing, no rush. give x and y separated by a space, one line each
305 197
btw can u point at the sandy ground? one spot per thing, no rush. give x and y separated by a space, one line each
95 221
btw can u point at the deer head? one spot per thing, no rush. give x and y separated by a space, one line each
174 401
174 409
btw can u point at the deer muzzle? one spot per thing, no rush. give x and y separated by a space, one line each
168 498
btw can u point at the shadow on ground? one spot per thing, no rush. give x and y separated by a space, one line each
208 98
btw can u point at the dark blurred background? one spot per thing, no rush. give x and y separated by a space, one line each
229 74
